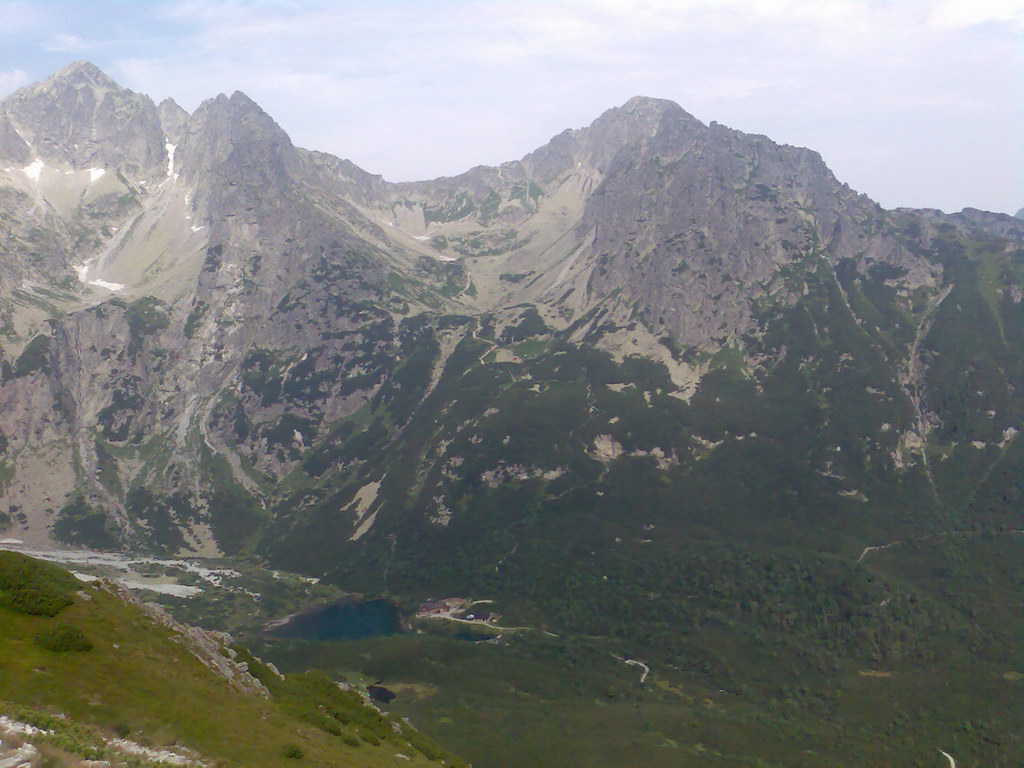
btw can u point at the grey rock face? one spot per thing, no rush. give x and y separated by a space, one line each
233 137
173 119
212 648
84 119
694 222
684 222
13 148
226 309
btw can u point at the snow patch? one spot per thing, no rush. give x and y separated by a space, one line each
34 169
82 270
422 238
11 541
170 158
95 174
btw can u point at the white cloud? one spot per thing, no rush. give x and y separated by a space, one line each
957 13
66 44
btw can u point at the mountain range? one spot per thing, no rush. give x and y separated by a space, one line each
662 383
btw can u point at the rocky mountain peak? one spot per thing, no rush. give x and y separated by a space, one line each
647 107
80 117
237 105
174 120
234 135
82 73
239 116
639 119
241 101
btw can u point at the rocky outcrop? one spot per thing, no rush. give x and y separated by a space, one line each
212 648
25 756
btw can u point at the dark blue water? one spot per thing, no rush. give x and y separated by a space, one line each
380 693
343 620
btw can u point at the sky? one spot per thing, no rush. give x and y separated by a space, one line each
913 102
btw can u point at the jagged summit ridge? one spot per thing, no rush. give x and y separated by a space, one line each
81 118
235 130
82 72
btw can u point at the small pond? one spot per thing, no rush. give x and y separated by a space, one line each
380 694
348 619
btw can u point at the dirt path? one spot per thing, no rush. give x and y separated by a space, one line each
875 549
515 545
868 550
634 663
952 762
480 623
473 333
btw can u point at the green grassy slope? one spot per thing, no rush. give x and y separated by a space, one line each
86 653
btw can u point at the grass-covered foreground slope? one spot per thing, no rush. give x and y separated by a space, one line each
90 666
